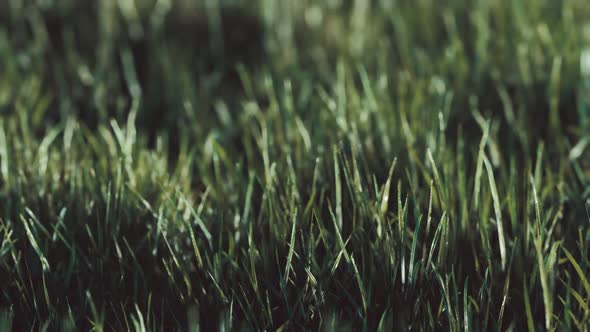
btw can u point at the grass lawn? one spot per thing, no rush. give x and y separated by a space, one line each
295 165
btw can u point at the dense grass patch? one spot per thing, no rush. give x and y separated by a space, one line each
265 165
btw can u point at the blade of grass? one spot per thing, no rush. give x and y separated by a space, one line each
497 210
291 246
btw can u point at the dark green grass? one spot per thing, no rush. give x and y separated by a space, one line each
295 165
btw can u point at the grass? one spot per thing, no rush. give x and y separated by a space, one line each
288 165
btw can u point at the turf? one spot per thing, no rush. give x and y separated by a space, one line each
294 165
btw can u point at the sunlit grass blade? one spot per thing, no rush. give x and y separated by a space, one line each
497 210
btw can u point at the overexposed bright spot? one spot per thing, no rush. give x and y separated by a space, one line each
585 62
578 149
437 85
314 16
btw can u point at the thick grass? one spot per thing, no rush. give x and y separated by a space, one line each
295 165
